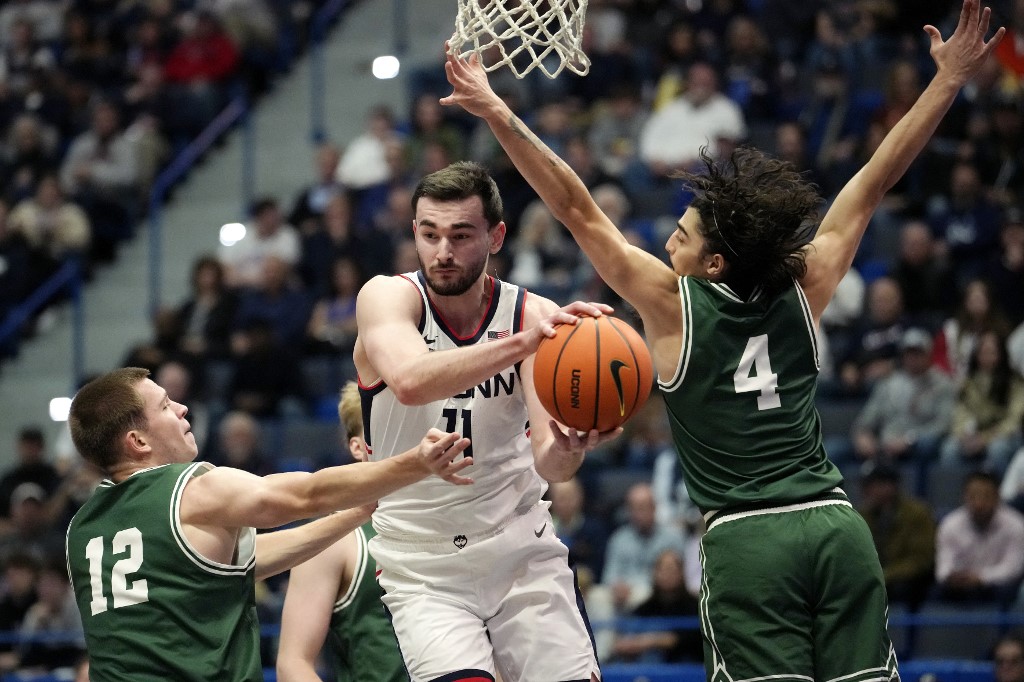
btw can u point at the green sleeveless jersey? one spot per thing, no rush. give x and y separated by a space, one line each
152 607
361 637
741 402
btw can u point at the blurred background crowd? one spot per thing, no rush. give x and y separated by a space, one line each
921 394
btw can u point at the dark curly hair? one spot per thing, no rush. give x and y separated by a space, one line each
758 213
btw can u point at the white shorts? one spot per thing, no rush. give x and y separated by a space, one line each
506 598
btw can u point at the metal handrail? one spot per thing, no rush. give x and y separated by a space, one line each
68 276
317 70
237 109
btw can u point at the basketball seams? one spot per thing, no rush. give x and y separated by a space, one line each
554 373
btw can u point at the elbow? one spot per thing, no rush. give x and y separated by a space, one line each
408 390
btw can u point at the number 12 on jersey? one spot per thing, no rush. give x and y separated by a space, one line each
128 540
755 374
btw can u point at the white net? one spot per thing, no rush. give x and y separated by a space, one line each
525 33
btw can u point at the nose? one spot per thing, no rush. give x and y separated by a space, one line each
444 250
182 410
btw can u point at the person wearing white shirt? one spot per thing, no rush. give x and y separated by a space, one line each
980 545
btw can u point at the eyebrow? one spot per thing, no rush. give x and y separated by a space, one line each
679 226
463 225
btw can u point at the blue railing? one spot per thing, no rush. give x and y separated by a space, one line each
235 111
317 69
68 277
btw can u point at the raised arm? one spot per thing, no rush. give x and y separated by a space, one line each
390 346
831 253
230 498
639 277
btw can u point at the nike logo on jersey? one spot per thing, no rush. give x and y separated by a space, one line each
540 532
616 366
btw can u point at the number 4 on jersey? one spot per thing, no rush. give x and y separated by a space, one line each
755 374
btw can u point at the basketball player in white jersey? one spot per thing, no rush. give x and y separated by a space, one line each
474 579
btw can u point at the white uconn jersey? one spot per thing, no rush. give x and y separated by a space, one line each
492 415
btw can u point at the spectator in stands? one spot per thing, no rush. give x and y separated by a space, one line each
23 54
365 169
100 173
43 16
838 327
1006 269
633 548
265 377
925 281
903 530
669 599
21 571
54 228
28 154
429 125
544 258
1011 490
749 68
976 315
15 269
875 351
266 235
980 546
987 416
31 467
239 445
205 320
909 411
31 528
701 115
584 534
54 613
337 236
313 199
614 135
332 325
1008 658
278 300
197 69
965 222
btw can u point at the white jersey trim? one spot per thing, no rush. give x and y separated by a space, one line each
362 556
246 539
684 350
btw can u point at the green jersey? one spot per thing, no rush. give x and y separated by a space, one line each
362 640
152 607
741 402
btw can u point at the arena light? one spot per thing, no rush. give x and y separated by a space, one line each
59 409
231 233
385 67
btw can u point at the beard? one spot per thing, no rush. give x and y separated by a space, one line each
458 286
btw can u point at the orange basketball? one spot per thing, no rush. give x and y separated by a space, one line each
594 374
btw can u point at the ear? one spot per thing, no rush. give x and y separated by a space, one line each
136 444
497 237
714 265
357 448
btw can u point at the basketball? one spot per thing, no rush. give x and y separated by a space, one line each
593 375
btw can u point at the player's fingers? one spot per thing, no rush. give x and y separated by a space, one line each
965 13
457 447
994 40
933 35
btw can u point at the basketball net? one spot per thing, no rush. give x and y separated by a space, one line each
521 29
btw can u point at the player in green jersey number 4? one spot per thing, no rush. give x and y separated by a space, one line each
792 588
164 556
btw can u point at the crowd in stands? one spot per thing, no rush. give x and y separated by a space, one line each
96 96
923 346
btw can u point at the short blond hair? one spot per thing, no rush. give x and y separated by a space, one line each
350 410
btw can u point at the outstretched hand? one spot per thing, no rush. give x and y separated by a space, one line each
471 90
568 314
438 451
962 55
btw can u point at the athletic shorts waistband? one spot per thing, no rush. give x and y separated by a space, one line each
457 541
836 496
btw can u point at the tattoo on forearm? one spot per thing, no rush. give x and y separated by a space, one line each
522 131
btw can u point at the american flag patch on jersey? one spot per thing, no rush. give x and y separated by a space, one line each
498 335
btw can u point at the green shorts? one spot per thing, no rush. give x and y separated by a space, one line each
794 593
